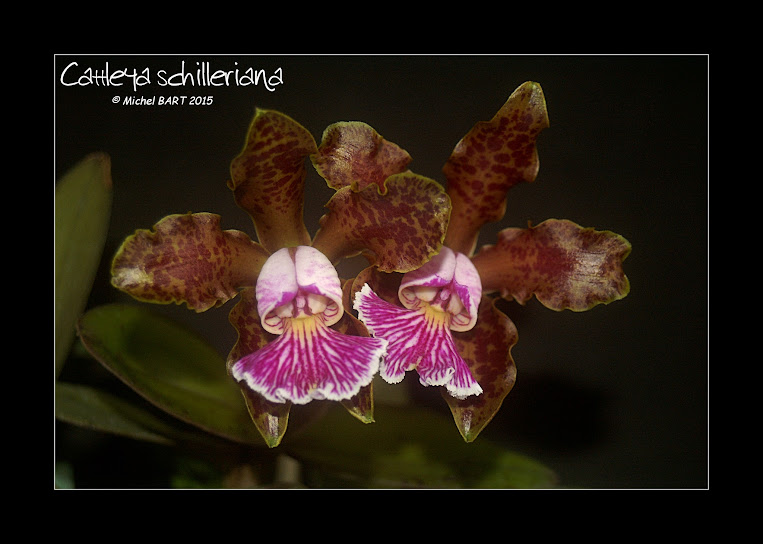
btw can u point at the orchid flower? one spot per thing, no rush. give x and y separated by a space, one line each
296 341
441 296
441 319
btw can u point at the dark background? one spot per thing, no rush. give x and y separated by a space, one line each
616 397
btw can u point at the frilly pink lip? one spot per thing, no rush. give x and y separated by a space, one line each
298 280
418 339
299 296
441 296
311 361
446 274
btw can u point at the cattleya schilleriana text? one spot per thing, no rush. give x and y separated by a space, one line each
425 301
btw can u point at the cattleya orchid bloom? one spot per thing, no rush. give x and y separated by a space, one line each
441 319
296 340
440 296
299 296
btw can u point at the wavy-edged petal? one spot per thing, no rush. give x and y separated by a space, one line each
403 225
493 157
564 265
311 361
487 351
187 258
268 178
418 339
353 154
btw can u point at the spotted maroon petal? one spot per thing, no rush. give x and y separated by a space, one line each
402 226
487 351
492 158
418 339
563 264
268 178
353 154
187 258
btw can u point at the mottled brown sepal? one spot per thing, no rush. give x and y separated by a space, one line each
487 350
187 258
353 154
268 178
493 157
402 227
563 264
270 418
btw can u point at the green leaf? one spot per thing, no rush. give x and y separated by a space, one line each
91 408
169 366
64 476
82 213
408 447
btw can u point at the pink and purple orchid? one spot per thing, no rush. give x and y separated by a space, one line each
299 297
427 300
442 295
